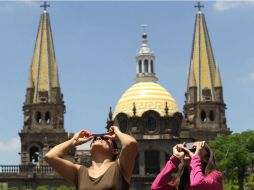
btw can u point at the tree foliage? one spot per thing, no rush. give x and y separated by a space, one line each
235 156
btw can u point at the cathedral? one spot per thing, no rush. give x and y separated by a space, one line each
146 110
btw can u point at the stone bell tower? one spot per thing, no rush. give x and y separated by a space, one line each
204 108
44 106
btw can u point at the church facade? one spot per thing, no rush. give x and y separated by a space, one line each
146 110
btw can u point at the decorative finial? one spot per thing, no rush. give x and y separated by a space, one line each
110 114
45 5
134 109
110 121
144 28
199 6
166 109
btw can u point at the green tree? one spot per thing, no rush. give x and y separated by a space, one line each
235 156
63 187
2 187
43 187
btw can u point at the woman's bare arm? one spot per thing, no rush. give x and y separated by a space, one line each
128 153
55 157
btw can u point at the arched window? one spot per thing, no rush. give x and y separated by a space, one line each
140 66
152 162
146 65
151 66
34 155
151 123
211 115
48 118
123 125
38 117
203 116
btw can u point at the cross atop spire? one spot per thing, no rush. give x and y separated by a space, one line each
199 6
45 5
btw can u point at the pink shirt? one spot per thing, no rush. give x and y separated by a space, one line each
213 181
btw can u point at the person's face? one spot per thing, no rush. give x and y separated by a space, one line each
102 141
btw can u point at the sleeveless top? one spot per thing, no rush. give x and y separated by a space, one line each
112 179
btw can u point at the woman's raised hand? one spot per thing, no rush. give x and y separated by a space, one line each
112 133
198 146
82 137
178 151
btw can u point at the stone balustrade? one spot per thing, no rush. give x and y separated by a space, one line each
42 169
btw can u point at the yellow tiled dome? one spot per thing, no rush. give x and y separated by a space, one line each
146 96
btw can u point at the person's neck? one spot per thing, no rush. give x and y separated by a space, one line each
99 160
100 163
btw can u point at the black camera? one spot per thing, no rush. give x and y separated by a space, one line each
190 146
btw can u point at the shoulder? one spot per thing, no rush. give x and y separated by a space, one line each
78 166
216 175
81 168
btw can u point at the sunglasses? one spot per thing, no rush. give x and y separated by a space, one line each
101 136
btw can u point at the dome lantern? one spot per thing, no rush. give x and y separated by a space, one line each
145 59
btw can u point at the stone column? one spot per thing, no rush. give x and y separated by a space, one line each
149 66
143 66
137 67
141 163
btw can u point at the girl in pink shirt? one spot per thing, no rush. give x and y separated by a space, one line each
196 170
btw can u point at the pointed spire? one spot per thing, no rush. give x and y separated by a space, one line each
30 83
134 110
202 59
166 109
110 114
145 62
44 74
217 82
191 78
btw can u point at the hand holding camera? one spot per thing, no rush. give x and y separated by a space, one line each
194 148
178 151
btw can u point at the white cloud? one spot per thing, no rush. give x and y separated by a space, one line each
11 145
228 5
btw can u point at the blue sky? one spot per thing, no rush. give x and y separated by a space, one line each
95 46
